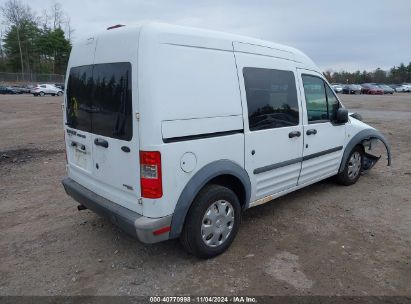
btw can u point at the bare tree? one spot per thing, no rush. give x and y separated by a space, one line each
15 14
45 19
57 15
1 44
68 28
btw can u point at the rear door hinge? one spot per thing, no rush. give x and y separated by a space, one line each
137 115
140 201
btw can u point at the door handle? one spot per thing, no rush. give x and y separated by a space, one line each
294 134
311 131
101 142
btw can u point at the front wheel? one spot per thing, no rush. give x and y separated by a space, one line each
352 167
59 93
42 94
212 222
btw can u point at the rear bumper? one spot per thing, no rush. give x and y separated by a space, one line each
129 221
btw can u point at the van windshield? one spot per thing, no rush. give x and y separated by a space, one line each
99 99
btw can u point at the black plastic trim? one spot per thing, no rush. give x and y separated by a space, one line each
118 215
201 136
318 154
295 160
278 165
358 139
198 181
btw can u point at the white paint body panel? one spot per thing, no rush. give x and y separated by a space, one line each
328 136
197 126
271 146
189 82
118 171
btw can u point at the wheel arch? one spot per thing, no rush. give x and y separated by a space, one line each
358 139
222 172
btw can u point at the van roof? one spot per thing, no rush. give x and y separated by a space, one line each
166 33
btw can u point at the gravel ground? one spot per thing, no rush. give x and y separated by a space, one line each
322 240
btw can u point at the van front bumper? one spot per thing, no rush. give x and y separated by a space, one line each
147 230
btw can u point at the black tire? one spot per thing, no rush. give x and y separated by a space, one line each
42 94
191 236
345 178
59 93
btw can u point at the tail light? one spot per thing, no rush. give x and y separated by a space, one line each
150 174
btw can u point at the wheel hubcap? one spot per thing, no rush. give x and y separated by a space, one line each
354 165
217 224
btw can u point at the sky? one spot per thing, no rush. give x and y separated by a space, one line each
338 35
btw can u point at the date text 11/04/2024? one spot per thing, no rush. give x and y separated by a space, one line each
203 299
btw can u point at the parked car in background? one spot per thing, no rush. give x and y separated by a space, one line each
8 90
372 89
386 89
407 86
352 89
337 88
21 89
46 89
401 88
59 85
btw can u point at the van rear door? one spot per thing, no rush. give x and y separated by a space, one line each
78 111
116 167
114 160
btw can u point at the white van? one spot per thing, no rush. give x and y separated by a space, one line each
174 132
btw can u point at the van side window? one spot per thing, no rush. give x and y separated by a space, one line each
321 102
271 98
315 98
333 103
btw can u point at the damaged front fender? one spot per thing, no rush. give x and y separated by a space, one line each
366 137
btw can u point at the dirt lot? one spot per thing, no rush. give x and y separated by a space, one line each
322 240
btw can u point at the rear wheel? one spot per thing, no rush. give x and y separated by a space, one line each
59 93
42 94
352 167
212 222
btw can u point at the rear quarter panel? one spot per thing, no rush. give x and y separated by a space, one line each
186 84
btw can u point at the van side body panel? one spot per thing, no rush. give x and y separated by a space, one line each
188 88
179 79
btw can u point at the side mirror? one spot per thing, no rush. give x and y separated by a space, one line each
342 116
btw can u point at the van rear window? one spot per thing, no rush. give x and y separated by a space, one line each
79 96
99 99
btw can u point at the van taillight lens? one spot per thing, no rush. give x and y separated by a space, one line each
150 174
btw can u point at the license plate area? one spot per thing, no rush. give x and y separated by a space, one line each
81 157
